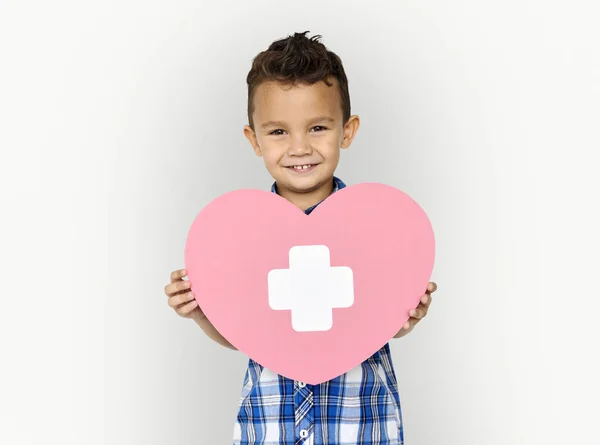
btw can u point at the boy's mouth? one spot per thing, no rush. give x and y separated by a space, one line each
302 168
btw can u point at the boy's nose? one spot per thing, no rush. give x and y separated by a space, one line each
299 146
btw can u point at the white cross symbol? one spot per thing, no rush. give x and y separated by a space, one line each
311 288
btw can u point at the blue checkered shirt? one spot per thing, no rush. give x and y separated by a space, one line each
361 407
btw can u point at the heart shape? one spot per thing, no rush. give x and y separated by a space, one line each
379 242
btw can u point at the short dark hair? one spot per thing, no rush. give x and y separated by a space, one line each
297 59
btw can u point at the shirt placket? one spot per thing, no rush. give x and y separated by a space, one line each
303 412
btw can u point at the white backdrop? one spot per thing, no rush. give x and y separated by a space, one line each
120 120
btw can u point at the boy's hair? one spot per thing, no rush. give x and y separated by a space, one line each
297 59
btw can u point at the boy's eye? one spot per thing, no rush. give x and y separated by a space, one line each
279 131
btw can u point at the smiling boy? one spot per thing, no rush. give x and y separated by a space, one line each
298 121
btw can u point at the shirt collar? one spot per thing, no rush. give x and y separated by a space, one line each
338 184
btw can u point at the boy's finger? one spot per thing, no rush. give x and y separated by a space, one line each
426 300
413 321
417 313
175 301
178 275
180 299
177 287
187 308
431 287
182 285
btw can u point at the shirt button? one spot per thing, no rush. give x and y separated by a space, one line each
301 384
303 434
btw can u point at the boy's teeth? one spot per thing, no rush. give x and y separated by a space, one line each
302 167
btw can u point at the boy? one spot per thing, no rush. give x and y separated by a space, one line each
299 119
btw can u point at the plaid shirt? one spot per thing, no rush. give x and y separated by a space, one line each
361 407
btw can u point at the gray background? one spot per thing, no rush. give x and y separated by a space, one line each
120 120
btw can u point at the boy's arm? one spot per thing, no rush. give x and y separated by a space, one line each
181 299
211 331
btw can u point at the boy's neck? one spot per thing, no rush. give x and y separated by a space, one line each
307 200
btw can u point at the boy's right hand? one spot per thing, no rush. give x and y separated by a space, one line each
181 298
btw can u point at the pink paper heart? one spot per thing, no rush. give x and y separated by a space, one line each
378 232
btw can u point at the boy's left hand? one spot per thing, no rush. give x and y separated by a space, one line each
419 313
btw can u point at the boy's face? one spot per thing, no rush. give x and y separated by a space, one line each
299 131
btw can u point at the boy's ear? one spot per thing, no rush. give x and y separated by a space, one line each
350 129
251 136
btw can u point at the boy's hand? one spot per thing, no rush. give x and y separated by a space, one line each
181 297
419 313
